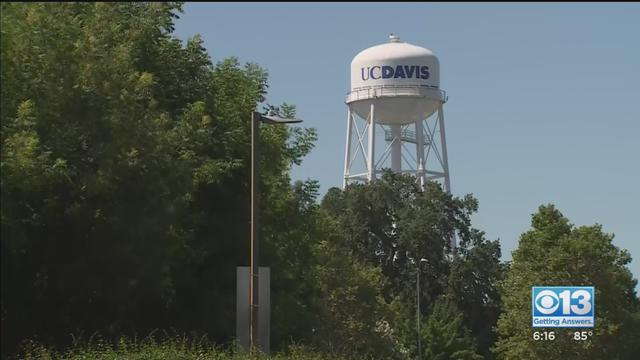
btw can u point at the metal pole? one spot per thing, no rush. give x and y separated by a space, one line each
445 164
443 141
347 152
255 201
372 137
418 310
420 166
396 148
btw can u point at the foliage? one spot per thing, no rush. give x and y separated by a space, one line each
554 252
444 336
349 303
179 348
124 173
125 207
390 224
473 282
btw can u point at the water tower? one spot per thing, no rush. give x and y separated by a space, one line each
395 118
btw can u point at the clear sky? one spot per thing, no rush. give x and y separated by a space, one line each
544 99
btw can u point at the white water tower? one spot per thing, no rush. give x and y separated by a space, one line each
395 118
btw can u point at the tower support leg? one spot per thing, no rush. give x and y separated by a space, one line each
396 148
347 152
443 142
371 163
420 166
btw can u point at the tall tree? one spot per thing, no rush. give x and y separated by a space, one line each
124 173
444 336
92 193
392 224
476 271
554 252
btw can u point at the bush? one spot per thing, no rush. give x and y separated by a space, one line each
149 348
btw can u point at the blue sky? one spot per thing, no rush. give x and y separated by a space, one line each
544 99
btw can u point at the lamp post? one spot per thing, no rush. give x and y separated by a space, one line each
418 268
256 119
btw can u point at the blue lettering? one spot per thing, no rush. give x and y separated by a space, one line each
400 71
387 72
362 72
424 72
372 76
409 70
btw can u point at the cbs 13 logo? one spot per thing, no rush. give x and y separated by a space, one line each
563 301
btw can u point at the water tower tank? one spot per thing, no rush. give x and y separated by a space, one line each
401 79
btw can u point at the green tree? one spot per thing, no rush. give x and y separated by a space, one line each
476 271
391 223
125 173
352 313
444 336
125 199
554 252
321 296
92 191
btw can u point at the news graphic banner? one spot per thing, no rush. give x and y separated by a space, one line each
563 306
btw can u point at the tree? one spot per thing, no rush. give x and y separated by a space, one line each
125 173
351 309
125 199
391 223
321 296
476 271
554 252
92 192
444 336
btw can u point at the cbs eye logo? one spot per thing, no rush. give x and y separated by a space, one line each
547 302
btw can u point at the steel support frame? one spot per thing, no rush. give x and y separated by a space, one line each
428 161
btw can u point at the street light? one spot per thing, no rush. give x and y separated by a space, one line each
418 268
256 118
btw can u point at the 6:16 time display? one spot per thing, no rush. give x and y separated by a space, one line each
544 335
